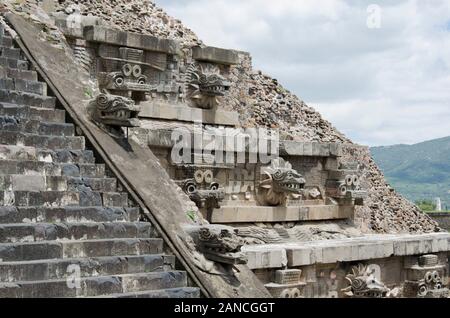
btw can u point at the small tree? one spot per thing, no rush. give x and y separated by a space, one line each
426 205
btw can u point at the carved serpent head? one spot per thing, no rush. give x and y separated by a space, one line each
205 85
363 284
112 110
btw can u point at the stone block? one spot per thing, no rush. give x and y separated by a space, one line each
140 41
307 149
252 214
28 183
300 256
6 41
215 55
268 257
333 254
189 114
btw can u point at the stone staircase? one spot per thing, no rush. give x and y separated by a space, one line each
66 228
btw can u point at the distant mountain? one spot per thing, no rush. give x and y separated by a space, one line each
420 171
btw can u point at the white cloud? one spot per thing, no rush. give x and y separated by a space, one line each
379 86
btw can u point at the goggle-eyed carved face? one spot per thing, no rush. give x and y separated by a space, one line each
129 78
431 282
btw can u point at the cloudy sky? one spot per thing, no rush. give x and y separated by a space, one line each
380 74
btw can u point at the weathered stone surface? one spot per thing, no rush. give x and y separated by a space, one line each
54 210
120 38
349 250
215 55
29 99
14 63
27 112
9 123
251 214
163 208
103 266
92 286
72 231
10 214
180 113
187 292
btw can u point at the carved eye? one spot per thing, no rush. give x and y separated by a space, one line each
203 78
191 188
214 186
428 277
208 176
119 81
278 175
213 78
137 71
102 101
436 277
142 80
423 290
127 70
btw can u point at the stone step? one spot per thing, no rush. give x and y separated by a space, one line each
27 99
14 252
18 182
184 292
24 86
94 286
36 232
11 53
43 168
10 214
100 266
21 74
9 123
6 41
10 152
41 141
83 198
35 113
14 63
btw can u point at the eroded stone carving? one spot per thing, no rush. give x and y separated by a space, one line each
221 245
204 85
287 284
424 279
345 184
204 198
129 78
112 110
363 284
203 189
280 180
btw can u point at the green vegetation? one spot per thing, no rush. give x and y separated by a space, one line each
88 92
420 172
426 206
191 215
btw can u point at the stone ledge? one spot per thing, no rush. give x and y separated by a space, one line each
215 55
347 250
140 41
311 149
189 114
262 214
